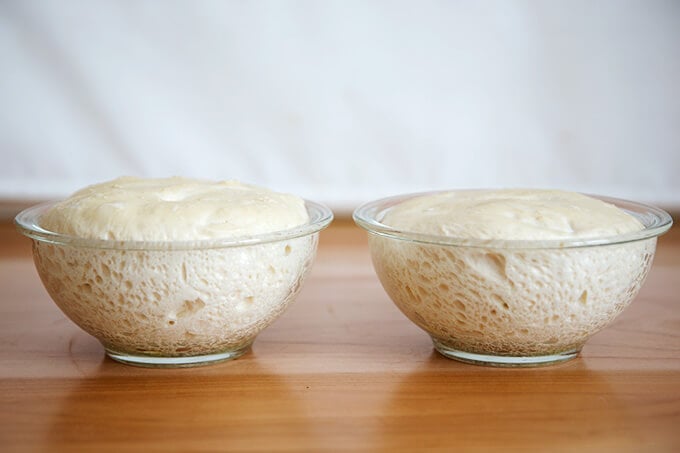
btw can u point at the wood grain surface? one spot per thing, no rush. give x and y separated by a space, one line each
341 370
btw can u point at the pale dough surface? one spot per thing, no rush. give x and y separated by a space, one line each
175 208
511 214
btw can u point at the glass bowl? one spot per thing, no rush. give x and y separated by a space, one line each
510 302
174 303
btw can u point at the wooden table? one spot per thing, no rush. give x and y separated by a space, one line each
341 370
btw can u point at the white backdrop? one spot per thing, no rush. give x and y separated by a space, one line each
342 101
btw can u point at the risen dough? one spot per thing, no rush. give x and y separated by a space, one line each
511 214
172 209
174 302
509 301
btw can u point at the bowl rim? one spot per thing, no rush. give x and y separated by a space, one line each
368 216
27 222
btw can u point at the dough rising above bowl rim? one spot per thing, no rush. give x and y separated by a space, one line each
369 217
320 217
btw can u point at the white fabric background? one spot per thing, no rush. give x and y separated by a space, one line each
343 101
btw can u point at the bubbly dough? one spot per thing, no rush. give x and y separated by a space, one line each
175 303
173 209
511 302
511 214
167 302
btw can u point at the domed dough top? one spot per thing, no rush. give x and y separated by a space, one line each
176 208
511 214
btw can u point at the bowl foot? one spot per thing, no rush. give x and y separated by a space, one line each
504 360
175 362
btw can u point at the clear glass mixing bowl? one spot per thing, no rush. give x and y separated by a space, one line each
510 302
174 303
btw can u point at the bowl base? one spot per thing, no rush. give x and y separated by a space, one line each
504 360
175 362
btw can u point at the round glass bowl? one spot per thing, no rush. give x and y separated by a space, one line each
510 303
171 303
